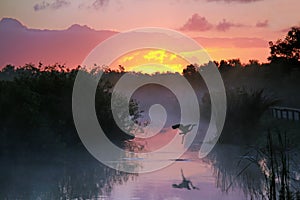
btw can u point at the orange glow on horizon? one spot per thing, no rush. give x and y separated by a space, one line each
151 61
218 54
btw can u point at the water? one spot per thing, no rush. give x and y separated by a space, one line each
82 177
224 174
89 179
158 184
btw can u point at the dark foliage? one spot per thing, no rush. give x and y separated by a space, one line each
36 112
287 50
244 110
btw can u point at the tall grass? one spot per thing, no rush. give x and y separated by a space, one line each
244 110
268 171
277 164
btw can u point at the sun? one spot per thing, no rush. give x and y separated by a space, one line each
150 61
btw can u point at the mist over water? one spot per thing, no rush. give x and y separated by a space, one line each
79 175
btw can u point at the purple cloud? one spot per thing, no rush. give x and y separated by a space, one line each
196 23
262 24
225 25
54 5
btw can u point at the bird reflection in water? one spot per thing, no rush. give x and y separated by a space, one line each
185 183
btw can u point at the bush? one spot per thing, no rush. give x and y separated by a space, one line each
244 109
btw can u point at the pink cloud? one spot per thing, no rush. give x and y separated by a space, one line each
225 25
239 1
197 23
262 24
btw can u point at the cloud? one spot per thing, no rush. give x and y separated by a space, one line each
99 3
199 23
95 4
54 5
238 1
225 25
262 24
196 23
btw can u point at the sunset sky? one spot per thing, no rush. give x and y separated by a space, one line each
226 28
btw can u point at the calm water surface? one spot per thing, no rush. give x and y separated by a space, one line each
89 179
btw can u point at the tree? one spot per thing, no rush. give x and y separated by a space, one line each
253 62
226 65
190 70
8 72
287 50
121 69
235 62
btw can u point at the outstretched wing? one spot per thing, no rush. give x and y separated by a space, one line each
176 126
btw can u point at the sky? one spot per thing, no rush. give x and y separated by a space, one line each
168 62
220 20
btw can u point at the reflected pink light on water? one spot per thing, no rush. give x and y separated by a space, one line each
157 141
158 184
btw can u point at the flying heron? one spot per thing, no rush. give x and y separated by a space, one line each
184 129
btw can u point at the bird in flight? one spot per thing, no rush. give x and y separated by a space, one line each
184 129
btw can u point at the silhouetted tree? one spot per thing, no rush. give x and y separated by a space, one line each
253 63
8 72
224 66
234 63
287 50
190 70
121 69
36 109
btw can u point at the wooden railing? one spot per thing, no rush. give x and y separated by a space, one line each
285 113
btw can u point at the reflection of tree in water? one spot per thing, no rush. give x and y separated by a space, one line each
262 172
90 182
76 179
137 145
232 174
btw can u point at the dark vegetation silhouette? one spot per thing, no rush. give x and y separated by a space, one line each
287 50
263 171
268 166
78 177
36 111
245 108
36 123
41 154
39 98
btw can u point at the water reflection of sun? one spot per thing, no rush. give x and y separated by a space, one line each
150 61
